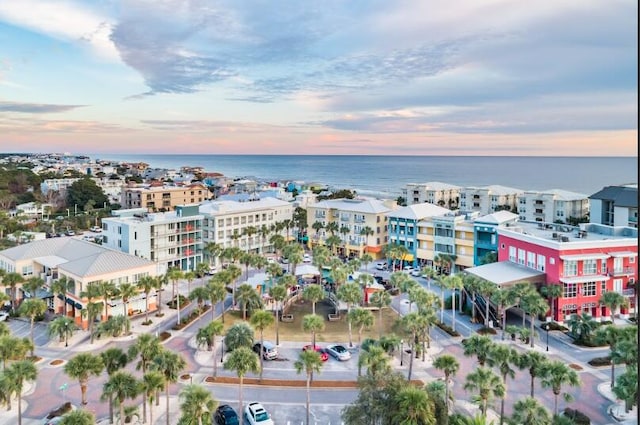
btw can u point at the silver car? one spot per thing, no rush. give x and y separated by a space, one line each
339 352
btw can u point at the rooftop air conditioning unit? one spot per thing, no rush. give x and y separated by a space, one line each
554 235
565 239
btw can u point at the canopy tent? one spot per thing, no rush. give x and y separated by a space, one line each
307 269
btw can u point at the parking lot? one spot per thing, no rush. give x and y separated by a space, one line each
20 327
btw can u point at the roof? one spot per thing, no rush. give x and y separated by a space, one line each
498 217
435 186
218 207
358 205
418 211
622 196
559 194
103 263
495 189
306 269
504 272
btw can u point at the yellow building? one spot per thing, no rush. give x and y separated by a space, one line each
447 234
163 198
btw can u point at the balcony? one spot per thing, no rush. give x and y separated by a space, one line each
625 271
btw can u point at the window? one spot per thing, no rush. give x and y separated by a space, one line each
589 267
135 235
603 287
632 260
512 253
531 260
617 285
589 289
570 268
603 268
521 255
570 290
541 262
617 264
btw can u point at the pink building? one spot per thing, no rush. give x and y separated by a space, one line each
586 261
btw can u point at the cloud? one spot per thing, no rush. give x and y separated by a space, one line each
35 108
207 126
17 125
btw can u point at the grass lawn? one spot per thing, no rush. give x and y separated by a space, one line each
336 331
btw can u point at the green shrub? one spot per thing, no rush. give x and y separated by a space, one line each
486 331
600 361
577 416
447 329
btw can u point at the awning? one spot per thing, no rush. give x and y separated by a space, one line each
505 273
623 254
583 279
407 257
589 256
373 249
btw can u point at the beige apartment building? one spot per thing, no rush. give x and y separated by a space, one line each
82 263
552 206
436 193
352 216
244 224
489 199
163 198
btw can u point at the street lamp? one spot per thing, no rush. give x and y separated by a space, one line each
548 323
66 333
401 351
222 352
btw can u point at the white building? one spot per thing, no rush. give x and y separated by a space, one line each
243 224
489 199
615 206
437 193
171 239
305 198
552 206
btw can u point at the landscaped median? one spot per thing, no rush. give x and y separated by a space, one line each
317 383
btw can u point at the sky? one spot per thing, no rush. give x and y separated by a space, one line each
379 77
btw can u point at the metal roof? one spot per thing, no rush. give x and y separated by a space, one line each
622 196
504 272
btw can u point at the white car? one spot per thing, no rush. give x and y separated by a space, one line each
212 270
381 266
255 414
306 258
339 352
407 269
416 272
96 229
3 316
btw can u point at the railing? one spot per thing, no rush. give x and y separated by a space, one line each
622 272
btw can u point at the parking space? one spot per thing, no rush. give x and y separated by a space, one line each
21 327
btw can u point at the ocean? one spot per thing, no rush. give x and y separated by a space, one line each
387 175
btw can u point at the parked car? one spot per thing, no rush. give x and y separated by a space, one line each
70 233
3 316
212 270
306 258
284 260
96 229
225 415
381 266
416 272
269 351
339 352
407 269
255 414
323 354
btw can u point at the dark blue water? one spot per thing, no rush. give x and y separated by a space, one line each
389 174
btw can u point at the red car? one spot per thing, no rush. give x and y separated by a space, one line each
323 354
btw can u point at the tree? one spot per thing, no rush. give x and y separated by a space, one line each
169 364
611 335
626 388
477 345
175 274
81 367
487 385
279 294
502 357
452 283
159 283
414 407
351 294
535 305
189 276
216 293
530 412
557 374
106 290
199 294
242 360
380 299
32 285
84 190
449 365
362 319
535 362
613 301
375 360
147 346
313 293
248 298
113 359
78 417
261 320
581 326
32 308
152 383
207 336
18 373
314 324
146 285
121 386
486 289
126 291
197 406
309 361
552 291
11 280
240 334
413 324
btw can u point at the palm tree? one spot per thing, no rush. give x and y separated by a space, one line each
239 335
333 241
613 301
486 289
207 336
169 364
351 294
530 412
279 294
449 365
106 290
487 384
626 388
314 324
535 305
552 291
7 389
375 359
78 417
505 299
502 357
581 326
453 283
313 293
81 367
11 280
413 324
189 276
126 291
380 299
146 285
32 308
309 361
317 226
151 385
557 374
175 274
366 231
242 360
159 283
213 251
92 310
201 269
246 258
61 286
477 345
261 320
362 319
217 293
113 359
535 362
414 407
248 298
121 386
610 335
197 405
18 373
32 285
199 294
